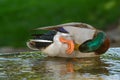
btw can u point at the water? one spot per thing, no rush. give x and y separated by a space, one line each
32 67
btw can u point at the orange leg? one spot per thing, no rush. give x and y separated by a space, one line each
70 44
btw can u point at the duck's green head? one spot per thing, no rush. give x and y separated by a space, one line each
99 44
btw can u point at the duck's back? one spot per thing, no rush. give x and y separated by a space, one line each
80 35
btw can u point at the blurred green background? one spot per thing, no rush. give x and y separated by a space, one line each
19 17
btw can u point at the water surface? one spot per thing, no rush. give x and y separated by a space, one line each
33 67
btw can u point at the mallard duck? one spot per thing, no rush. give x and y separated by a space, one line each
70 40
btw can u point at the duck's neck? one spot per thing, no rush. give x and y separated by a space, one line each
94 44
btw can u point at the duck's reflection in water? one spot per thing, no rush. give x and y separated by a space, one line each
71 69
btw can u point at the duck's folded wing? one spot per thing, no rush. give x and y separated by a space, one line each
40 41
46 36
36 44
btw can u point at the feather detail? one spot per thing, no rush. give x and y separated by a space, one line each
35 40
38 44
41 41
47 36
61 29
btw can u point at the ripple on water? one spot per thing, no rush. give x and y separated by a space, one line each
112 53
107 67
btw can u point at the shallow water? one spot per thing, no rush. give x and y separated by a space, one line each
32 67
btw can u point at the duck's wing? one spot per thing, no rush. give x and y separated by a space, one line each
46 36
40 41
61 27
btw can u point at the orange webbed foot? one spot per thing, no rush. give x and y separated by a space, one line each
70 44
